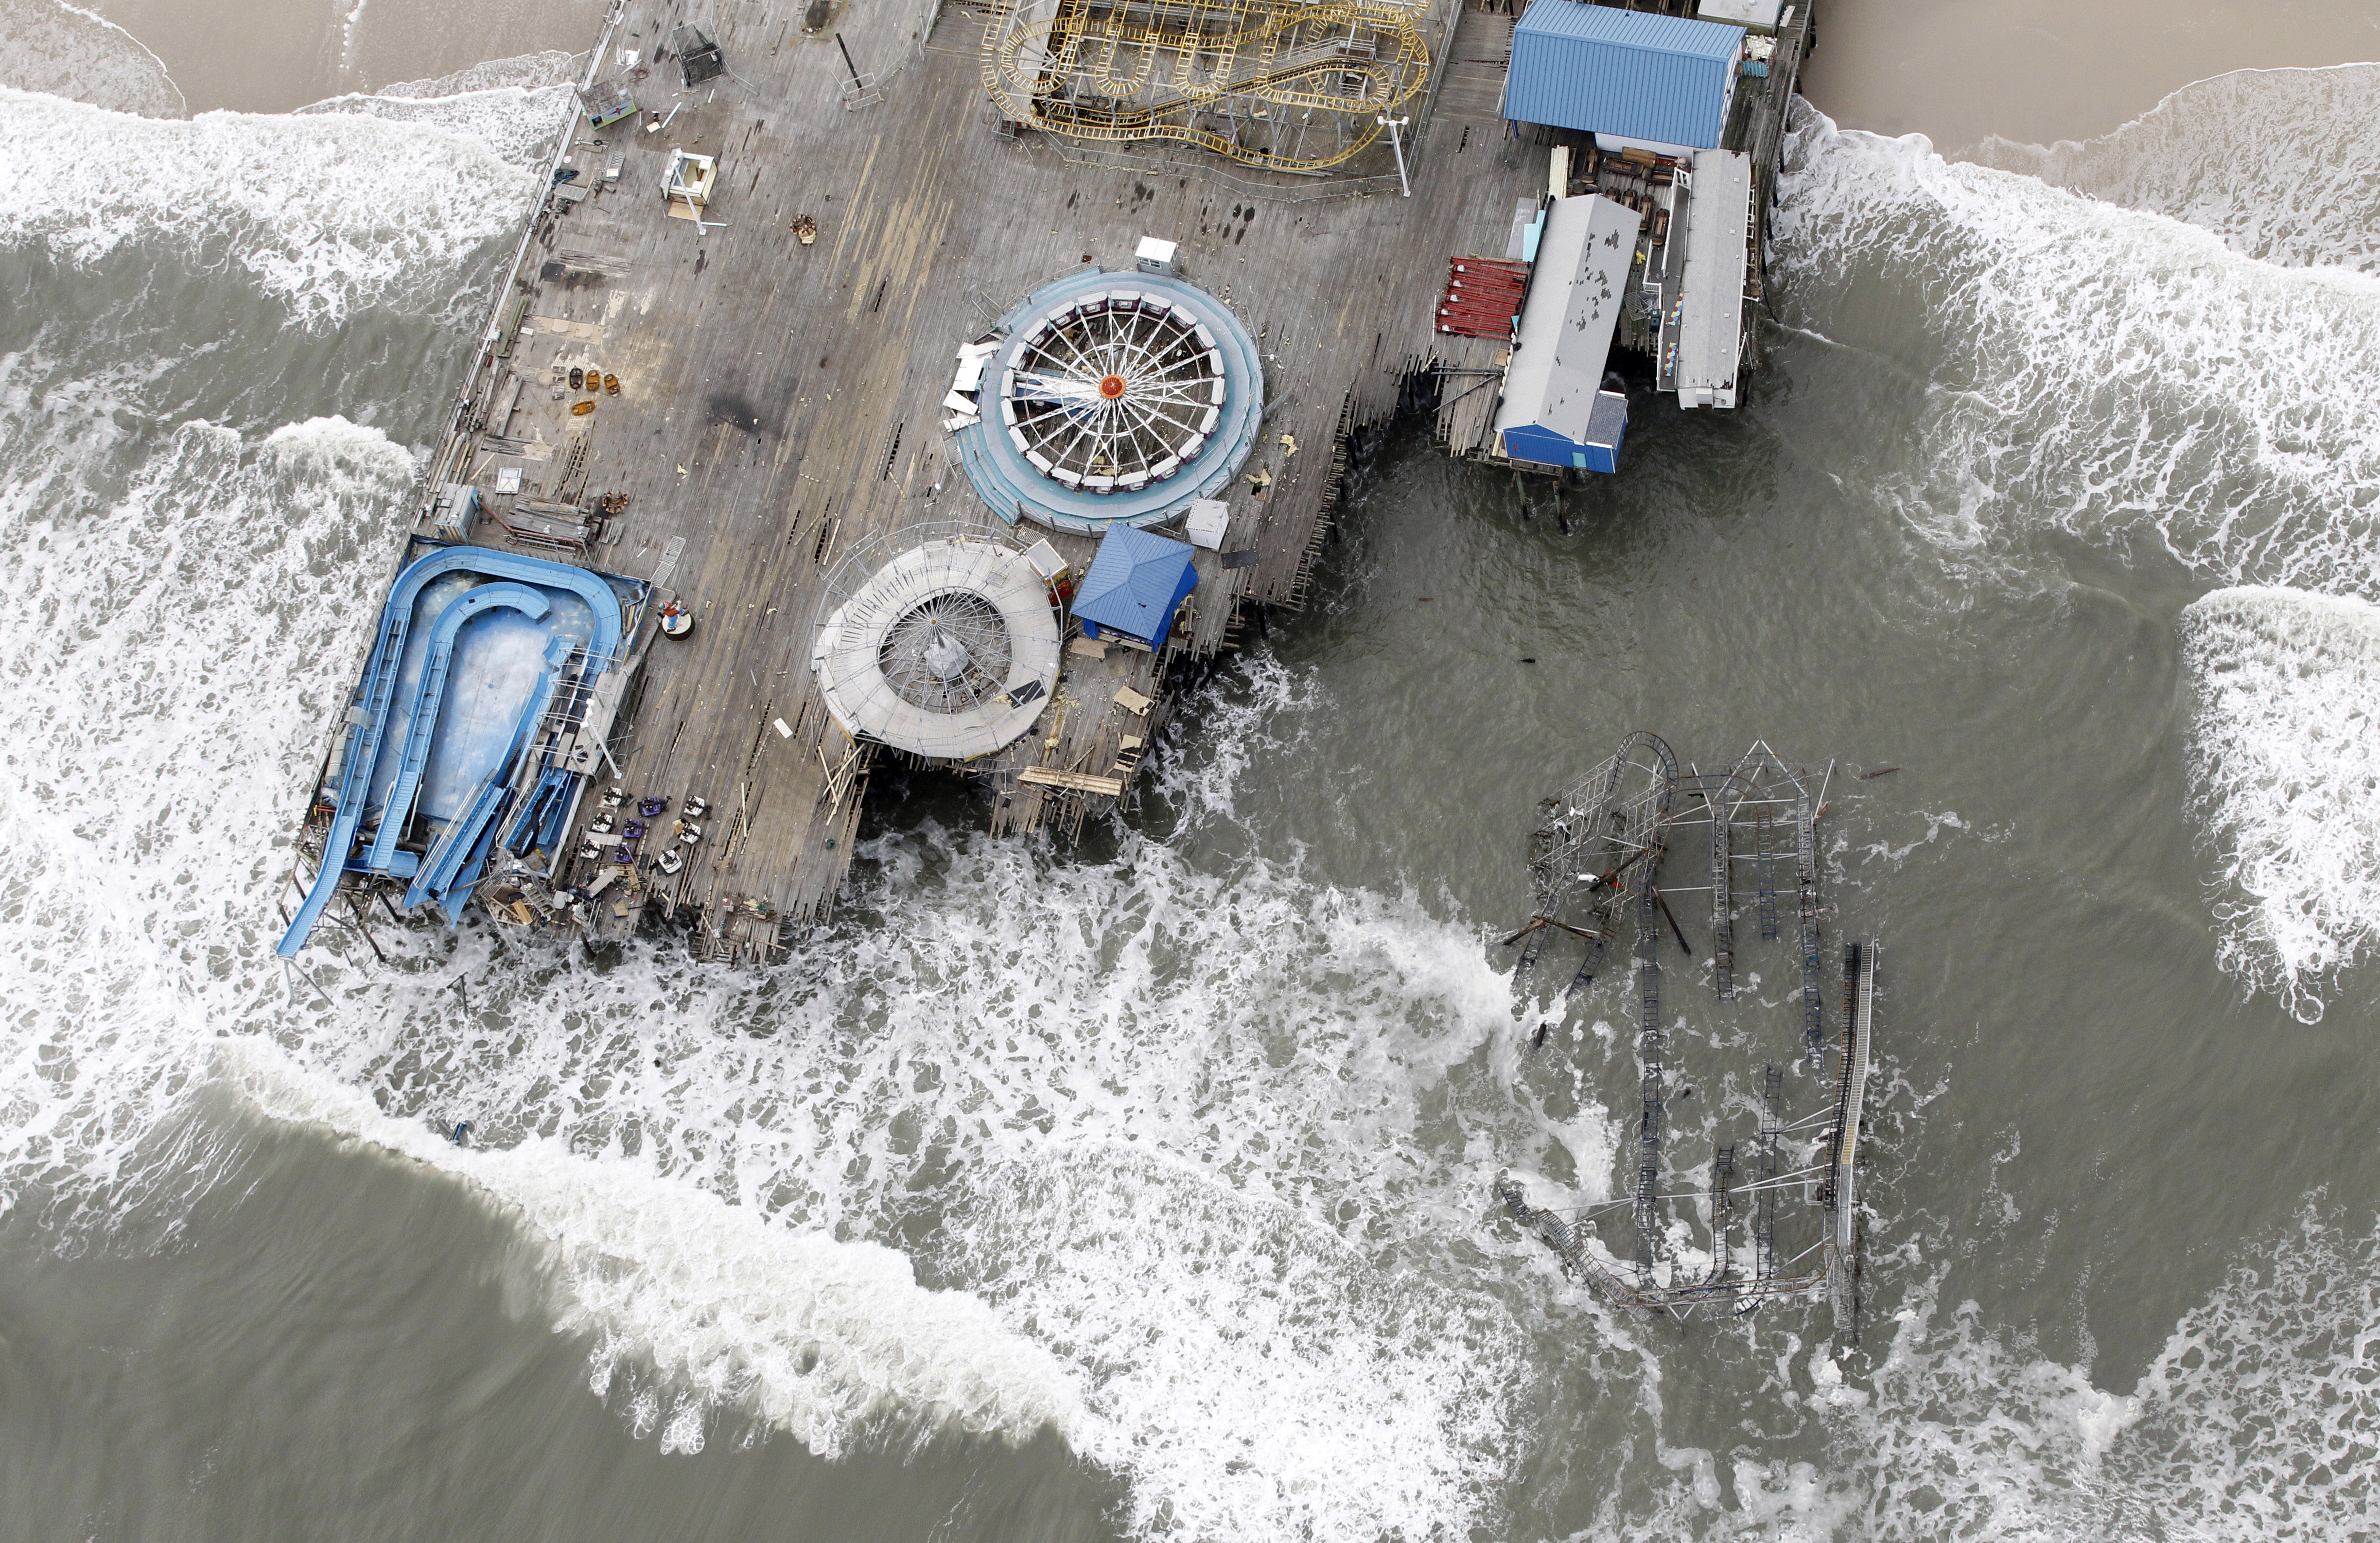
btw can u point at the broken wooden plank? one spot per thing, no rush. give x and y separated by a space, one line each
1072 782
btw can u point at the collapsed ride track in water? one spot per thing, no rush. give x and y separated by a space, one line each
1287 87
1595 860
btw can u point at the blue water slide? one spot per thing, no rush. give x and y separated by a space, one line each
378 686
458 894
527 826
429 696
557 814
454 845
461 838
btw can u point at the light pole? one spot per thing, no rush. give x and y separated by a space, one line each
1398 145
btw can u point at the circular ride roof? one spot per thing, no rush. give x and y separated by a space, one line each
1114 399
948 651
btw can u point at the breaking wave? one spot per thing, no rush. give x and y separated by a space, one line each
330 214
514 107
2285 769
67 51
2071 365
526 72
2284 165
703 1310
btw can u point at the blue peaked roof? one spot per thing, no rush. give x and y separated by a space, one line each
1135 583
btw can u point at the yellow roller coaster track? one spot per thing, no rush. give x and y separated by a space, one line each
1096 70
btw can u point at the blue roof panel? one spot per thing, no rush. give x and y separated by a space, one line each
1635 75
1688 35
1134 585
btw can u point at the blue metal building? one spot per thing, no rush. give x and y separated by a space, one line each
1136 584
1660 82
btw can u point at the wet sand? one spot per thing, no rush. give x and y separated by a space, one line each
272 55
2044 70
2041 70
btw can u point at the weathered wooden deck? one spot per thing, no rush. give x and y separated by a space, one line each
780 403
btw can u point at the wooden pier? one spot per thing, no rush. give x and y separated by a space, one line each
780 401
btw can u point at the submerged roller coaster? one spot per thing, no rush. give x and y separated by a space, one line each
1284 86
1597 858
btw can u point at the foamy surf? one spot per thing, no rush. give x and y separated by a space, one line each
2283 164
329 212
514 107
1255 1375
70 51
2253 1421
2071 365
2285 778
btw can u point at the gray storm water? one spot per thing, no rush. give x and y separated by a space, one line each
1144 1190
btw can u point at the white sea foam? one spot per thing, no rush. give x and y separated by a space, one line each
2285 772
1257 1375
2257 1420
1275 1081
329 212
523 71
711 1311
2074 365
514 107
70 51
2284 165
162 722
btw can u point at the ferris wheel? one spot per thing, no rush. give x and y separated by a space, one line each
1114 392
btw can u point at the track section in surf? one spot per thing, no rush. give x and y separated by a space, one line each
2283 164
2285 781
2061 365
329 212
2257 1420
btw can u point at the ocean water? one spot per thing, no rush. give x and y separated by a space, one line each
1144 1191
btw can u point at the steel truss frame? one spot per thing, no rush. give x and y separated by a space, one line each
1596 856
